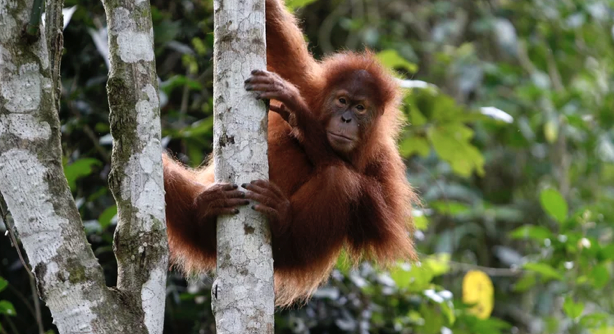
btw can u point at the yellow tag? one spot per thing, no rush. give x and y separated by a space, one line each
478 290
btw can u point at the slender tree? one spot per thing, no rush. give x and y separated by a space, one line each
136 180
243 292
69 278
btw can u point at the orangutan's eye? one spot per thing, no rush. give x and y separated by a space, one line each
360 109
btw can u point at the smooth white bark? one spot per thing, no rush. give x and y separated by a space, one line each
243 292
32 181
136 177
69 278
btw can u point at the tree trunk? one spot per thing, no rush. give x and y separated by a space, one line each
243 292
32 181
136 181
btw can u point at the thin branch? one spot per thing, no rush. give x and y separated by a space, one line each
501 272
37 306
553 71
523 58
328 24
11 324
185 98
23 299
562 160
358 13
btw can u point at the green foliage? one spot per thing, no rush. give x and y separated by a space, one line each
78 169
418 278
452 144
105 217
392 59
421 222
545 270
527 282
600 275
573 310
6 308
554 204
537 233
295 4
433 123
414 145
3 284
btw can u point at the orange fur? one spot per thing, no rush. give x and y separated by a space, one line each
363 203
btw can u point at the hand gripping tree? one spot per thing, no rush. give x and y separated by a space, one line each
243 292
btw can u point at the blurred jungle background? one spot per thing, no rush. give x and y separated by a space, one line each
509 141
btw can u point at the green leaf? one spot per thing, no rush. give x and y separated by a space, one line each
79 169
552 324
545 270
537 233
416 117
450 207
7 308
198 128
3 284
554 204
421 223
526 282
434 320
573 310
412 145
401 276
447 308
452 144
600 276
594 320
294 4
607 330
106 216
411 277
392 59
439 263
199 46
446 110
177 81
190 62
608 252
489 326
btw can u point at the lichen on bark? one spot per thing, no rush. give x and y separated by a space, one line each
32 180
243 292
136 175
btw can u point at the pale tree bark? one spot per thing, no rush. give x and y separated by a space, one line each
32 181
243 292
140 242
